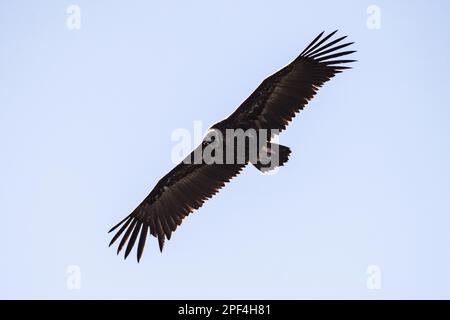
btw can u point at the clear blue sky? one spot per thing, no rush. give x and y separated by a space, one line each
86 118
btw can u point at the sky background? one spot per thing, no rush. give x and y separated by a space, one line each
86 118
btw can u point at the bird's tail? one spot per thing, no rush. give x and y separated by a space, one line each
272 156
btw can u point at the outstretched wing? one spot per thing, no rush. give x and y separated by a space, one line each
181 191
279 97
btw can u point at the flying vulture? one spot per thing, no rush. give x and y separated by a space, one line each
270 107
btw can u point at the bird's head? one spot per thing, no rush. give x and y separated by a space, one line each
218 126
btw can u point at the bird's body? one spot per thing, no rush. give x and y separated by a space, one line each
266 112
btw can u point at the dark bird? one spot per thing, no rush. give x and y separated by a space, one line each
270 107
